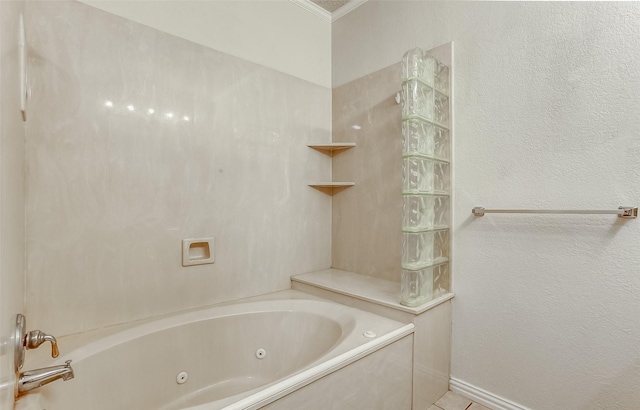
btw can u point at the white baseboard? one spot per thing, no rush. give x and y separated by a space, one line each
482 396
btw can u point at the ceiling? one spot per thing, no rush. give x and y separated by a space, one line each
330 5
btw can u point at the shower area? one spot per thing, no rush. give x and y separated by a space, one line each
128 138
139 140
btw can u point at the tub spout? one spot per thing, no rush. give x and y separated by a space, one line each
33 379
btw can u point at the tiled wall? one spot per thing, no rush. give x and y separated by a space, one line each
11 195
367 218
113 187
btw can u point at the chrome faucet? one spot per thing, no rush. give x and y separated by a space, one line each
33 379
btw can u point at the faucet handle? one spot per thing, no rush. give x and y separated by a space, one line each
54 349
35 338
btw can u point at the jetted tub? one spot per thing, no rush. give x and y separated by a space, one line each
243 355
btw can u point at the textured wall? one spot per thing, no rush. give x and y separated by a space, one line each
11 196
112 191
367 218
277 33
546 116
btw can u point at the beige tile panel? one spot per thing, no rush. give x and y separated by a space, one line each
113 188
367 218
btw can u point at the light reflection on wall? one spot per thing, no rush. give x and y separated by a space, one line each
131 109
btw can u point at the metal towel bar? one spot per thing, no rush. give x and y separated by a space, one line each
628 212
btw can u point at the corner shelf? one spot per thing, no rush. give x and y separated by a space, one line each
331 147
331 184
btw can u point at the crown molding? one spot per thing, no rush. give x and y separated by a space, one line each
324 14
346 9
314 9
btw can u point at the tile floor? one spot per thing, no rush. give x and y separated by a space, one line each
453 401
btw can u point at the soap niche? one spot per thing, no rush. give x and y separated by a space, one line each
197 251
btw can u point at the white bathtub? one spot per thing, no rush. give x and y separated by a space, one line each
137 366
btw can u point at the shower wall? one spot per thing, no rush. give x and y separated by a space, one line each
367 218
546 116
137 139
12 233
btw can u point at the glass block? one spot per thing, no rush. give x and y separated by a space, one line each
417 175
442 212
441 108
417 100
441 81
422 249
440 246
416 287
441 177
420 286
425 212
441 280
418 137
418 213
425 176
441 144
412 63
417 64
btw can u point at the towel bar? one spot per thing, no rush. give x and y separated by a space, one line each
628 212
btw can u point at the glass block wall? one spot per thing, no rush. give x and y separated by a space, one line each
426 184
